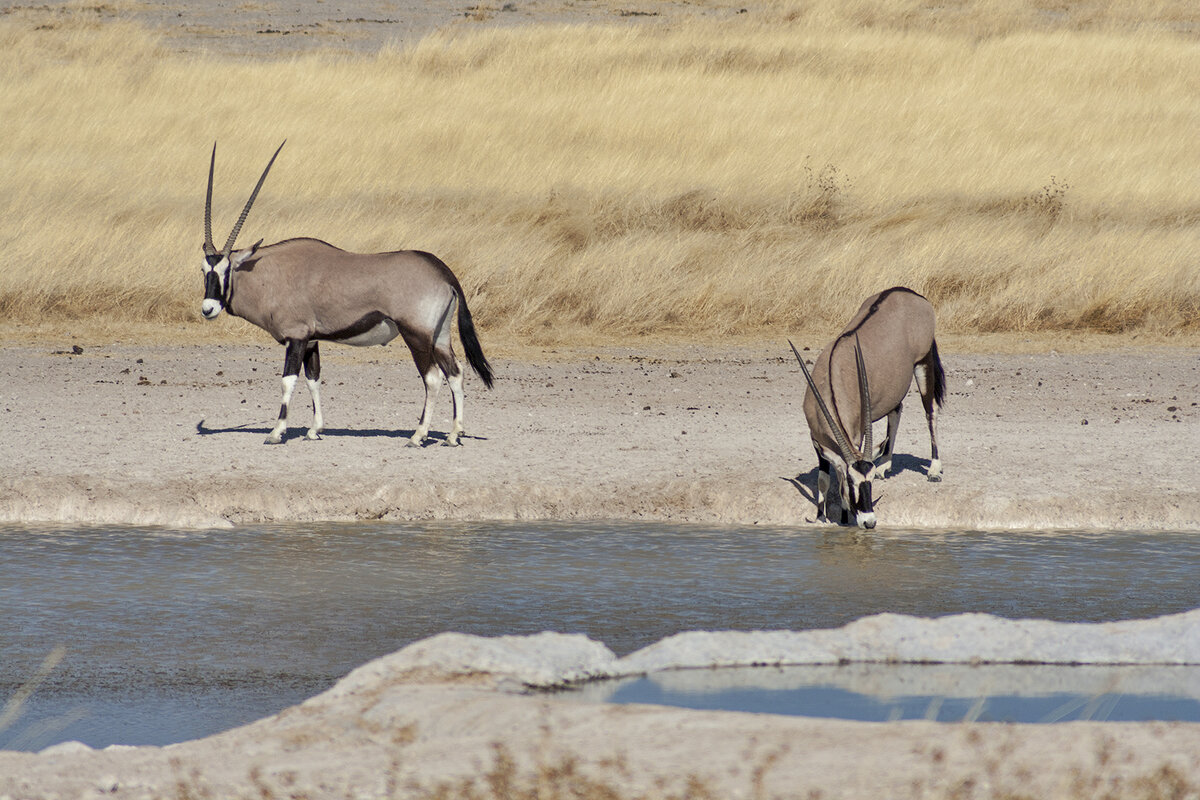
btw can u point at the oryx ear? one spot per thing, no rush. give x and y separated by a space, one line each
241 256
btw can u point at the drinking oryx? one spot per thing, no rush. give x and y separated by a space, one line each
863 375
305 291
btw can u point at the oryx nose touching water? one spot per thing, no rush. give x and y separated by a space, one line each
305 291
862 376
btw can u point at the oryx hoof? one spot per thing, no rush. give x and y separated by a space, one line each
934 478
312 435
414 443
452 442
273 439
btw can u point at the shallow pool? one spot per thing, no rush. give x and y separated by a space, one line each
1023 693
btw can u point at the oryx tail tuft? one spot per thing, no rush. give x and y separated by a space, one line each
939 375
470 342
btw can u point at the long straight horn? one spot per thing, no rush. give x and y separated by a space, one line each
842 442
209 248
245 211
864 394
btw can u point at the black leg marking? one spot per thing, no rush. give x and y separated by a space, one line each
312 362
294 356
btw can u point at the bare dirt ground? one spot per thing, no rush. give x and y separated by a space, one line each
174 435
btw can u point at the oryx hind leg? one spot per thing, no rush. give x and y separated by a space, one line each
435 362
292 359
924 374
432 376
456 393
443 354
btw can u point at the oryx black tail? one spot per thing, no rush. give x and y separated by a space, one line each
470 342
939 374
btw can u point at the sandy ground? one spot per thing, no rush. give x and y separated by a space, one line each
174 435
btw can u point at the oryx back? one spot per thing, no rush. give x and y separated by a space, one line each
896 330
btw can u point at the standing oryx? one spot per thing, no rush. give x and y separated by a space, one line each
863 376
304 291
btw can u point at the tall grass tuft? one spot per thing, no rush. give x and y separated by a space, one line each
1027 169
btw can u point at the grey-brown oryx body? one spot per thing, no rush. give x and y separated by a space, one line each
305 291
863 375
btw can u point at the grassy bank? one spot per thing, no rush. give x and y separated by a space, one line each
759 174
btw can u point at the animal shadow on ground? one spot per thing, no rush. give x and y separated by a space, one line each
434 437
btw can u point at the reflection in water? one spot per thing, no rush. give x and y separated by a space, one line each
941 692
248 621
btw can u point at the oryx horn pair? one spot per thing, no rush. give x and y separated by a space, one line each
210 251
849 453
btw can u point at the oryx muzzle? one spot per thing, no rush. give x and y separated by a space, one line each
303 291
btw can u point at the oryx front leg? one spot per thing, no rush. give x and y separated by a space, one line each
292 360
433 384
312 373
824 468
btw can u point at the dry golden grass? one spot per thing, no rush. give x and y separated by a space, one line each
1028 168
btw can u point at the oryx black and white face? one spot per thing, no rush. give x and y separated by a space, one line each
216 281
862 505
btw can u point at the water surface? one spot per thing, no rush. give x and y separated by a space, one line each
939 692
177 634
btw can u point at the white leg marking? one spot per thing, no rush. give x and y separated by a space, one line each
276 436
314 388
935 463
456 393
433 383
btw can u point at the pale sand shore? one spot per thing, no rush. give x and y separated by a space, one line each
173 435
